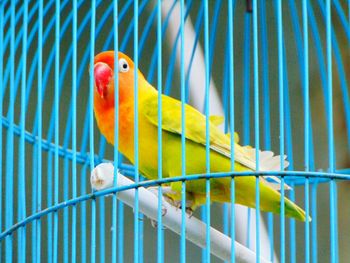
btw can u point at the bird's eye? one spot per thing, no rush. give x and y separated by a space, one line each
123 65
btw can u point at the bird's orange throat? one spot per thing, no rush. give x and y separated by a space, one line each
105 112
105 109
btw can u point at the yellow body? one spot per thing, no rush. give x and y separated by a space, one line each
171 144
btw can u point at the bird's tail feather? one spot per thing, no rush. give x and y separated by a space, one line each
270 199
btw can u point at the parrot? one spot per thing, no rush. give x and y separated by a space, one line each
195 142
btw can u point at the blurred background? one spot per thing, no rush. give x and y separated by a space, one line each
243 103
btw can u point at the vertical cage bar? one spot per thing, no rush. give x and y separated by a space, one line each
226 220
266 107
256 125
314 223
40 124
336 220
246 78
21 157
204 209
10 139
49 203
102 229
136 132
101 221
160 234
1 111
83 206
57 116
265 75
183 224
34 181
322 69
83 214
74 129
116 131
231 6
289 143
334 256
307 225
225 81
141 232
233 218
306 127
101 201
120 232
246 97
66 197
66 182
213 36
204 219
330 129
34 197
120 205
91 128
281 121
207 130
183 134
225 101
330 86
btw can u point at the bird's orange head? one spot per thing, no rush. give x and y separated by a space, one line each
104 78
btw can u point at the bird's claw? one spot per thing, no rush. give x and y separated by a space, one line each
189 212
188 206
154 223
176 203
155 191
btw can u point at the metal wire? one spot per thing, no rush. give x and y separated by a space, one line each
48 171
183 134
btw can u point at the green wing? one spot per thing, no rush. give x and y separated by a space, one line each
195 130
195 127
195 122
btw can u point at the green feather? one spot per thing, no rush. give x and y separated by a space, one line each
195 134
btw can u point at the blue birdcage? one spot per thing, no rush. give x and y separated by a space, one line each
277 71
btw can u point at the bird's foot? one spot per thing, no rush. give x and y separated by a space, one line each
154 223
165 190
188 206
166 193
189 212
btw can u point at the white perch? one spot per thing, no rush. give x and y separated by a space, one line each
220 244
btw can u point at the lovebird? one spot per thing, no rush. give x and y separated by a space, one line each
195 134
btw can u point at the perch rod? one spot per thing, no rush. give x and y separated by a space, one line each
220 244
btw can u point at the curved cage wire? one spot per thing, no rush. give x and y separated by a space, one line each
276 70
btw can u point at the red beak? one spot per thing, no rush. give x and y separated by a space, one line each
103 74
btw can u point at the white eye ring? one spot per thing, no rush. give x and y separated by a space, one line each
123 65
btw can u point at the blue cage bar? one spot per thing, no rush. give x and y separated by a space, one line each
277 71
